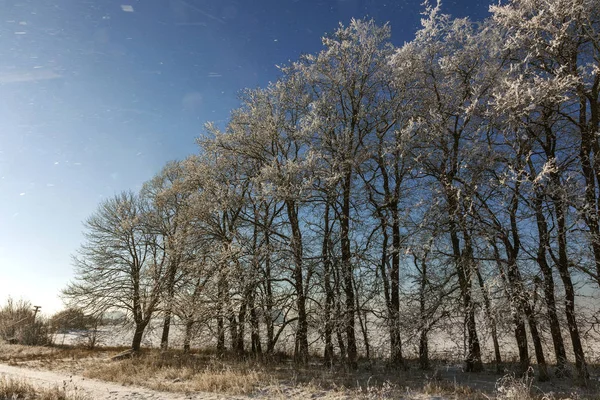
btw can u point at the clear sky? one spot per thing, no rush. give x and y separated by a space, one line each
96 96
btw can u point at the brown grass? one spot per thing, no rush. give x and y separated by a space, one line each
21 390
447 388
16 353
172 373
279 377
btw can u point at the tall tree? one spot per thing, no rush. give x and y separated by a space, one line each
555 49
453 78
121 265
348 88
169 218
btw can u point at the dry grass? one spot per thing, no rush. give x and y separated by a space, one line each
278 377
16 353
451 389
511 388
170 373
20 390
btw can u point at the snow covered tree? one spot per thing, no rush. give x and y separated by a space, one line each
169 217
121 265
450 65
554 90
350 100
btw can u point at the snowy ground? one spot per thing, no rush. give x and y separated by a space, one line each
67 374
101 390
97 390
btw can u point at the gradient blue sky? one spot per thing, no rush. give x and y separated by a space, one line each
95 97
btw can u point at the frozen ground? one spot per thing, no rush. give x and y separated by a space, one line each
98 390
484 383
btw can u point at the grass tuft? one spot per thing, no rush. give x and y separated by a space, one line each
178 374
20 390
445 387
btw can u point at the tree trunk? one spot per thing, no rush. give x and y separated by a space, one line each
252 286
339 327
348 272
423 340
222 287
362 321
329 294
241 326
464 269
473 362
565 275
233 331
589 154
549 297
537 343
172 274
365 331
164 341
383 267
341 344
268 284
254 327
138 334
423 350
516 297
220 336
396 340
521 338
492 320
464 263
301 342
187 339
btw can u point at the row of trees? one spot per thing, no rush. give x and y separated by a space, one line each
453 178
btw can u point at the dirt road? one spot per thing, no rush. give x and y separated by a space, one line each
98 390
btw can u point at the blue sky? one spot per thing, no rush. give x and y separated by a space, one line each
96 96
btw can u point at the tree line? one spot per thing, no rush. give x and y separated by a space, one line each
451 180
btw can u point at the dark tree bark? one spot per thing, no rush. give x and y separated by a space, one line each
549 296
222 287
242 324
268 284
187 339
589 154
563 268
521 338
536 338
492 321
255 344
339 311
329 293
396 339
423 338
138 334
511 285
348 273
301 342
254 327
464 267
164 340
170 291
362 321
233 330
